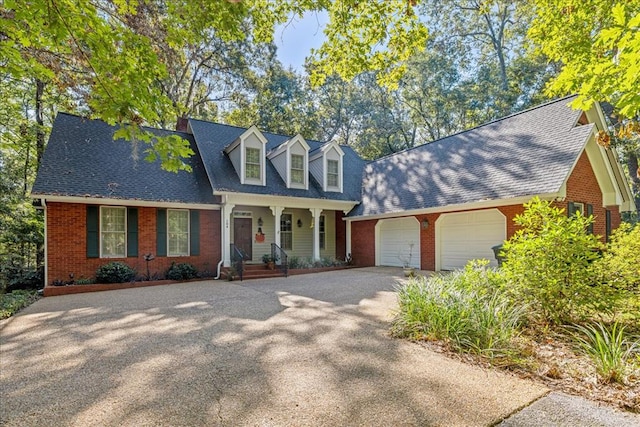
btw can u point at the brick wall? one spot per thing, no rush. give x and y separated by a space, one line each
363 249
67 243
428 242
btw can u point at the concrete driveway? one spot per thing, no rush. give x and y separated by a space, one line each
307 350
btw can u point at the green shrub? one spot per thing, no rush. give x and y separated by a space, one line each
620 264
472 315
548 264
609 349
183 271
115 272
11 302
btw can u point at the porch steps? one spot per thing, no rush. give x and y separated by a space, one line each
254 271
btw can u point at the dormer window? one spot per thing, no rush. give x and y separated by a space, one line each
325 164
297 169
291 160
247 154
333 168
252 163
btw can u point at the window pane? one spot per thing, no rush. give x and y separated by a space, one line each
322 234
297 168
286 233
332 173
252 163
113 232
178 232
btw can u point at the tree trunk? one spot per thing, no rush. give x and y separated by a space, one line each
39 121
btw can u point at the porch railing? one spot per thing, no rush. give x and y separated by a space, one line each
237 260
281 259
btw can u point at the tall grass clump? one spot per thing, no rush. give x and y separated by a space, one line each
610 350
466 309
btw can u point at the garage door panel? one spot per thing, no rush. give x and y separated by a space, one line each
395 236
469 235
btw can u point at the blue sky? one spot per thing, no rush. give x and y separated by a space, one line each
296 38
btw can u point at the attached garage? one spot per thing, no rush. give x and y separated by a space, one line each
396 239
464 236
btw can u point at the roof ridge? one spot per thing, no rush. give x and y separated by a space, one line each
78 116
475 127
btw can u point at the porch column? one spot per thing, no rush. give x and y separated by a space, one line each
315 212
227 215
277 212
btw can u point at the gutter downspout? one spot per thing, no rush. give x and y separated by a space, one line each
219 267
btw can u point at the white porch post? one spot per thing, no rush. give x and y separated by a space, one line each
277 212
315 212
227 212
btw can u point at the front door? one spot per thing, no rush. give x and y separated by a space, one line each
242 234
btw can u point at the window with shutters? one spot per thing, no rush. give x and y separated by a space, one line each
178 232
113 232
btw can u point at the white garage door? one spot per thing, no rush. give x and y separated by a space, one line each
469 235
399 241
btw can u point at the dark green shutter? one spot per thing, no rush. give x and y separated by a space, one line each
194 232
589 213
93 234
571 209
132 232
608 224
161 232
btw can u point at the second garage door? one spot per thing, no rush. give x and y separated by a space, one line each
469 235
399 239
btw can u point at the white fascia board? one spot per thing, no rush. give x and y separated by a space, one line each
124 202
484 204
286 201
287 144
326 147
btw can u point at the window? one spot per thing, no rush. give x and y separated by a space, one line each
322 234
332 173
178 232
286 232
297 169
584 209
252 163
113 232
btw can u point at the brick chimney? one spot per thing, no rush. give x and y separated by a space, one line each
181 124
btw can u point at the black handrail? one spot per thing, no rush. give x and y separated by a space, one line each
237 260
281 259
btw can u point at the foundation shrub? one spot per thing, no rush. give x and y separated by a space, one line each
115 272
182 271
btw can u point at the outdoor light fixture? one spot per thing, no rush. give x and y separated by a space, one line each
425 224
260 222
299 223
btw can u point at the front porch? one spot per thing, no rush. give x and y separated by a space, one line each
310 229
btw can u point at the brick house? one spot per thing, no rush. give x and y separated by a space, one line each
434 206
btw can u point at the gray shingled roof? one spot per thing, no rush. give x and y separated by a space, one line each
212 138
82 159
524 154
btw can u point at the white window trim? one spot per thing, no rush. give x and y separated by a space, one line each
251 180
326 175
100 222
305 174
169 254
291 232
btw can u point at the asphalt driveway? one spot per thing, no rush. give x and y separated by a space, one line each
307 350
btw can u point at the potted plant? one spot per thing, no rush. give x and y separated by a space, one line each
269 261
409 271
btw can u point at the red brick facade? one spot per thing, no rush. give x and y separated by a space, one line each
67 243
582 186
341 236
